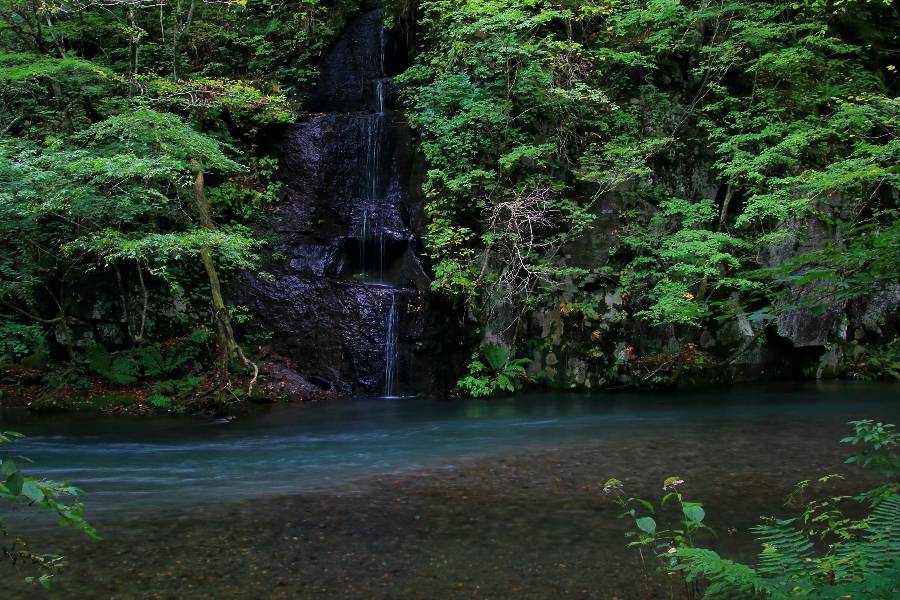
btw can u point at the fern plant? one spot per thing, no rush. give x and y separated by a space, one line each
861 560
864 568
494 369
164 393
724 578
155 360
116 368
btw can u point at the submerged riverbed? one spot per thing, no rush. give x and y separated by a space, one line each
414 498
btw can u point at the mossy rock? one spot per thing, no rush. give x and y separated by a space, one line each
36 361
87 402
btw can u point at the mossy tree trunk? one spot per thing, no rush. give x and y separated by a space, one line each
226 345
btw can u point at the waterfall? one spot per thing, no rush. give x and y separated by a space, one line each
363 240
377 120
356 275
379 96
390 346
374 128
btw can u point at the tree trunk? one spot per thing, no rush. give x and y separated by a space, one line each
59 45
126 311
179 30
145 296
135 39
726 204
224 334
226 344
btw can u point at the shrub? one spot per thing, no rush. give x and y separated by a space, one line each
860 560
493 369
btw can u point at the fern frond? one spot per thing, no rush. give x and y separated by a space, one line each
884 522
786 551
873 560
726 579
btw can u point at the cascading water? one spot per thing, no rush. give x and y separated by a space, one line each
349 301
390 346
374 132
379 96
374 197
373 146
364 240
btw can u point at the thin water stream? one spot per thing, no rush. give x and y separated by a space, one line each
423 498
390 347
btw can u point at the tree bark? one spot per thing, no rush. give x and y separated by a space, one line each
726 204
180 29
126 310
145 296
227 346
59 45
134 48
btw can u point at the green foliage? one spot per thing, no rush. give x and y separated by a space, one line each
493 370
19 339
726 579
28 109
861 559
155 360
19 489
152 361
125 189
218 99
500 96
677 256
864 567
642 513
111 115
115 368
244 202
749 148
878 448
877 363
166 393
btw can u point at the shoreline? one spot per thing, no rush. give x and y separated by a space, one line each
104 400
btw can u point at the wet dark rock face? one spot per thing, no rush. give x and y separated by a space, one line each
347 297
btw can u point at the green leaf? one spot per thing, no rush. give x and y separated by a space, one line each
32 491
646 524
694 512
646 504
14 483
8 467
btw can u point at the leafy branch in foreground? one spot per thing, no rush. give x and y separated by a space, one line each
18 489
860 559
879 450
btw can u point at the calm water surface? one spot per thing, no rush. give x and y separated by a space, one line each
413 498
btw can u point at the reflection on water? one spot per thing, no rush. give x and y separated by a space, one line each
135 463
424 499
